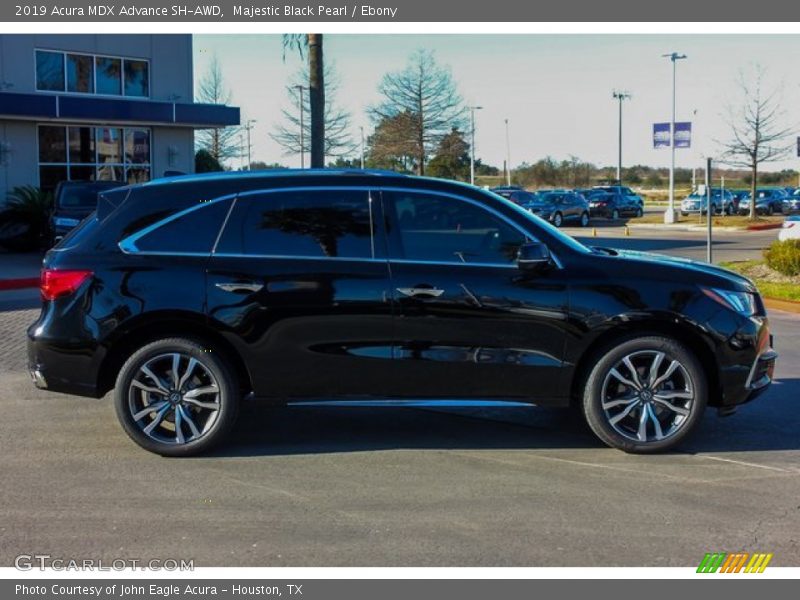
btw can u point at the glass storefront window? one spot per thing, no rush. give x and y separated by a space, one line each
80 73
79 152
109 75
49 71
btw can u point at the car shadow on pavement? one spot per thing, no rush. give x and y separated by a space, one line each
770 423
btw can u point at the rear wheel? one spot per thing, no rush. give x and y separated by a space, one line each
770 209
614 214
645 395
639 213
585 219
729 210
175 398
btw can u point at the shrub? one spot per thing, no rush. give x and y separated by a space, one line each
784 257
24 221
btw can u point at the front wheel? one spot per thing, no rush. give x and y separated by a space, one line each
174 397
639 213
558 219
614 214
645 395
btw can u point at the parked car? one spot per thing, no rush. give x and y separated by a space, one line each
697 202
737 197
614 206
791 203
558 207
73 202
768 201
620 190
790 230
516 195
186 295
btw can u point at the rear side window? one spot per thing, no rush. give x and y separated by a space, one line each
192 231
309 224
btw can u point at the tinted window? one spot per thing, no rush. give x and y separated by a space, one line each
109 75
439 228
193 231
136 79
80 73
49 71
323 223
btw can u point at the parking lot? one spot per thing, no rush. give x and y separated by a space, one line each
403 487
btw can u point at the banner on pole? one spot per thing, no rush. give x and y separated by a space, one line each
661 135
683 135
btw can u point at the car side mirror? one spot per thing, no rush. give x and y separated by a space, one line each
533 256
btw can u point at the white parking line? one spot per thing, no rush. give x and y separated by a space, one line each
745 464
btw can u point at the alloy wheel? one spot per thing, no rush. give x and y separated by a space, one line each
647 396
174 398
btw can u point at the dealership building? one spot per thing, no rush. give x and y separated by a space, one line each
98 107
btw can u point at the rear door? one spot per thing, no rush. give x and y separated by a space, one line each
298 283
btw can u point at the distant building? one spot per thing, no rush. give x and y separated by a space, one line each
111 107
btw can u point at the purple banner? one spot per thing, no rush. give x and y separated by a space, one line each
683 135
661 135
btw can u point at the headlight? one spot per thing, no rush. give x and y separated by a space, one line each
66 222
743 303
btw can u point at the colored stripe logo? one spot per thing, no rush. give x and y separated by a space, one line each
736 562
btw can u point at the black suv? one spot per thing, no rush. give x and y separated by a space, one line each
185 295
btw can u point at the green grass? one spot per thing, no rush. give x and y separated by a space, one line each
769 289
718 221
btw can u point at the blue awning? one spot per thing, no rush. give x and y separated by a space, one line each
62 107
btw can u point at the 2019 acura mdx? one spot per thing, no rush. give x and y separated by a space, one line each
186 294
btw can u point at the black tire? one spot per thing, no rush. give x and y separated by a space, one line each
585 219
213 365
614 214
729 210
639 213
598 418
558 219
770 210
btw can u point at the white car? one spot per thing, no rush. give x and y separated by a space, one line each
790 229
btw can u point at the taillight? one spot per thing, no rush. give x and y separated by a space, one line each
55 283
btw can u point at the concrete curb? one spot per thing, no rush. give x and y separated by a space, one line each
764 227
19 284
784 305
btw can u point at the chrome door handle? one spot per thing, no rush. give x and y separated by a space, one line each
240 286
421 291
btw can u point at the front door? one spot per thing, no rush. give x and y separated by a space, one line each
298 283
469 323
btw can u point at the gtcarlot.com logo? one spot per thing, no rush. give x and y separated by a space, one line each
736 562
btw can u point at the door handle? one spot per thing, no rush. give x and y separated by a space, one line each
414 292
240 286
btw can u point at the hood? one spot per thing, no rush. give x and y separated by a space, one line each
704 273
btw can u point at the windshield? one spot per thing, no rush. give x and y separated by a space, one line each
551 230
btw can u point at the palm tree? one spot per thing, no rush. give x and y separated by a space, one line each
316 88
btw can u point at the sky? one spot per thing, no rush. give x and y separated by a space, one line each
555 90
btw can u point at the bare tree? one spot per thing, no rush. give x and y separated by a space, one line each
316 89
219 142
424 92
338 139
758 134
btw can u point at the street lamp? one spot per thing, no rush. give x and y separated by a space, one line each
620 96
362 145
248 126
669 216
472 110
300 89
508 157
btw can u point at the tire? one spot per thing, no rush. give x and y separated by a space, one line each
770 210
614 215
713 209
605 396
639 213
684 214
199 428
585 219
558 219
729 210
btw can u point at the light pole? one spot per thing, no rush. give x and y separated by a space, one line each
620 96
300 89
508 156
248 126
472 110
669 216
362 145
